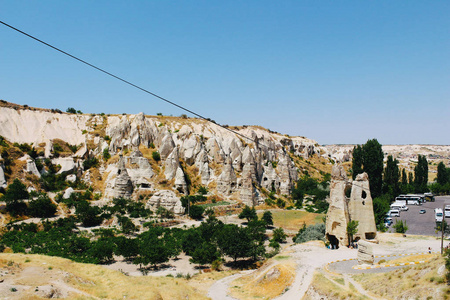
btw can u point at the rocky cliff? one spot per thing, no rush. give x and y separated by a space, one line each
191 152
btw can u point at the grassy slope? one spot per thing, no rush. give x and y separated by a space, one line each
100 282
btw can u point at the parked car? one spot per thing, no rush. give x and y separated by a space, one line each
422 211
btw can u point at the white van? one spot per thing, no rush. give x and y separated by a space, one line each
394 213
438 215
399 206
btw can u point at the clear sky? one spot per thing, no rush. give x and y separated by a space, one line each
333 71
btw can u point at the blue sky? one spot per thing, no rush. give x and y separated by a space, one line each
333 71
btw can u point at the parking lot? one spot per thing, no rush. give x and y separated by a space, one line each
423 224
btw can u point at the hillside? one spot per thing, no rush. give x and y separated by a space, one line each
192 152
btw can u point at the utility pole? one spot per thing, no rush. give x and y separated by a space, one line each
443 225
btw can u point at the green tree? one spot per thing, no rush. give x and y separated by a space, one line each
400 226
205 253
196 212
421 174
352 229
154 247
14 195
234 241
391 177
248 213
380 208
267 218
42 207
373 165
443 174
71 110
279 235
357 161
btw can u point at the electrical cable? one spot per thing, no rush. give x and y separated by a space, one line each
125 81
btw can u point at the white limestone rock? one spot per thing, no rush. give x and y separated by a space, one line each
180 181
31 168
69 191
2 177
67 164
167 146
71 178
171 164
226 183
166 199
365 253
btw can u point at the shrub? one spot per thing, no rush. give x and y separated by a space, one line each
156 156
91 162
400 226
311 233
196 212
42 207
106 154
279 235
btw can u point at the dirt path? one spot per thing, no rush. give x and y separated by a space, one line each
312 256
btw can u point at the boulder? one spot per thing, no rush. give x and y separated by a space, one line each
67 164
365 253
166 199
31 167
71 178
69 191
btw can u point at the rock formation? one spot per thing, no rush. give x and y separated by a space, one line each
31 167
337 215
226 183
342 210
219 155
365 253
166 199
360 208
2 177
123 188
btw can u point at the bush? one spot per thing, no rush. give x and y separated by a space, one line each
91 162
42 207
156 156
106 154
311 233
196 212
400 226
279 235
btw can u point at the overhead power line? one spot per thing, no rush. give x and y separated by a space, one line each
125 81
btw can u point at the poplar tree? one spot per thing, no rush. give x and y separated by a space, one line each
442 174
421 174
391 177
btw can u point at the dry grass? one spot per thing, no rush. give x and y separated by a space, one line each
412 258
268 282
414 282
293 219
100 282
331 289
